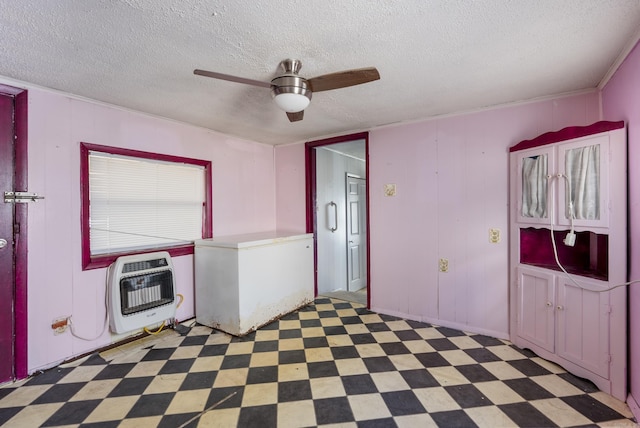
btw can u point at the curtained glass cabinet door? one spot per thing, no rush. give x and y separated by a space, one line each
583 182
536 196
565 184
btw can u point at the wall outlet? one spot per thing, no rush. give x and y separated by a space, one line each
444 265
494 235
389 189
59 325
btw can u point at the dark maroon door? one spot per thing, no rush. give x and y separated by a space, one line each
7 261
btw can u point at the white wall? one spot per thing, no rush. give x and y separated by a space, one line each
243 201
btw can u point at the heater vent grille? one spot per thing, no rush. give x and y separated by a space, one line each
143 292
144 265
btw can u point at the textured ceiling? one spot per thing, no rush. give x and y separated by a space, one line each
434 57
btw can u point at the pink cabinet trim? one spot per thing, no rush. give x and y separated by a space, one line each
568 133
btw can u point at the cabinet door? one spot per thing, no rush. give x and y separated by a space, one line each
536 315
533 191
583 324
583 187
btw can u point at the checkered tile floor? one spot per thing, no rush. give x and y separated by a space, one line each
331 363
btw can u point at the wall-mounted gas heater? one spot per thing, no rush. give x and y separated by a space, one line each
141 291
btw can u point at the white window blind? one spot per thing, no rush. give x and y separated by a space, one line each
137 203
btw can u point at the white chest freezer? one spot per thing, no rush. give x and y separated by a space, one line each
245 281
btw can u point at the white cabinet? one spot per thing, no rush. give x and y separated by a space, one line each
582 324
245 281
559 317
535 307
571 181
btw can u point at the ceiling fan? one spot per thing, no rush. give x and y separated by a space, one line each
292 93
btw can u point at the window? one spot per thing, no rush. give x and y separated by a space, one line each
135 202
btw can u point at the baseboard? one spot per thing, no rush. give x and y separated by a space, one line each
442 323
633 405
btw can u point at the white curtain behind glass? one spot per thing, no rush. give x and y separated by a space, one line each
139 203
582 167
534 186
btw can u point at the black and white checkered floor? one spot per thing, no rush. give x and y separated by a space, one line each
331 363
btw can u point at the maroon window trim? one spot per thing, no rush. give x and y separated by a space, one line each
568 133
104 260
310 176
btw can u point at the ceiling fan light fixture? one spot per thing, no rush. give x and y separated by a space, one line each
291 93
291 102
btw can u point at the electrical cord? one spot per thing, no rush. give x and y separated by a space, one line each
104 327
146 330
570 239
106 321
553 239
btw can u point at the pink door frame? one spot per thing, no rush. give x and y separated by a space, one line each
20 97
311 197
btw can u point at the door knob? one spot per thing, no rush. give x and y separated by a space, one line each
3 243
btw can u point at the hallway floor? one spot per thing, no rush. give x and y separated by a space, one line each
332 362
359 296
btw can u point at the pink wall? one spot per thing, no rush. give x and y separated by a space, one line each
452 186
621 101
290 188
243 201
452 180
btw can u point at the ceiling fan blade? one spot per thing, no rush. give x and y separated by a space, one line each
343 79
294 117
231 78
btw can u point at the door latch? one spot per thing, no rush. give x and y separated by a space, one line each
21 197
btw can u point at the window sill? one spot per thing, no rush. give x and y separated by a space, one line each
104 260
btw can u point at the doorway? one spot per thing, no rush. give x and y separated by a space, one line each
337 210
13 228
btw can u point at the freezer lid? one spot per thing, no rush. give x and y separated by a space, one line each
252 239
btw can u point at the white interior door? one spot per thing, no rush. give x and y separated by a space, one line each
356 233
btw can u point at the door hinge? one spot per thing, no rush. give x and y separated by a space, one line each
21 197
16 229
